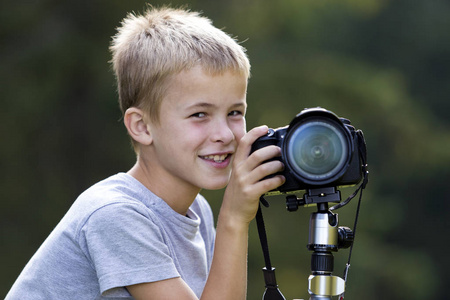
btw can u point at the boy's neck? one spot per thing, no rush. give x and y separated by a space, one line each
177 198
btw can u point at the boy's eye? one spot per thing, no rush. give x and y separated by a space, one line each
199 115
235 113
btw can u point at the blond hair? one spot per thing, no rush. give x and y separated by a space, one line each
149 48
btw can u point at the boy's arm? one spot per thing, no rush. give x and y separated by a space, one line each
227 279
174 288
228 275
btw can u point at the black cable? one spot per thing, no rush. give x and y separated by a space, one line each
347 267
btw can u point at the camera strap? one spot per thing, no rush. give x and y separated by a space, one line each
362 186
272 292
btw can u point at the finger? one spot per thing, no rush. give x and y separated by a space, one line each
264 170
247 141
269 184
262 155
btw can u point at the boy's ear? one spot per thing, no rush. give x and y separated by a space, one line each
137 128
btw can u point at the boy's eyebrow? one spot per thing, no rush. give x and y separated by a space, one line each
201 104
208 105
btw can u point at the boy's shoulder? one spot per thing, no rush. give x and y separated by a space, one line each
124 190
119 188
120 185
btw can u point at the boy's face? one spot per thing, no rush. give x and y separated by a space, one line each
202 119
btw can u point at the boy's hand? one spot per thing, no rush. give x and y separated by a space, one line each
246 185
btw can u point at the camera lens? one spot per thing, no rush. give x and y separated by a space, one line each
317 150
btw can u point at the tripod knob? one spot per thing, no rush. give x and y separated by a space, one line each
345 237
292 203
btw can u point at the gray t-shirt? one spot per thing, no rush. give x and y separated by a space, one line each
118 233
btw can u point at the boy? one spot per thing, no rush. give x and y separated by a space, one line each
148 233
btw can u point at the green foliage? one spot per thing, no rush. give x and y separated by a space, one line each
382 64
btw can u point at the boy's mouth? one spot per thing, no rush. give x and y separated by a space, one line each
216 158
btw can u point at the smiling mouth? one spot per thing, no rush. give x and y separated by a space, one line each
216 158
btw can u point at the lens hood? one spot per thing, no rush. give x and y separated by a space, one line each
317 147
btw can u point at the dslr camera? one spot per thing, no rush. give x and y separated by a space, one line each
319 150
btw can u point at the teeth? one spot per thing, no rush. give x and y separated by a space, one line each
216 158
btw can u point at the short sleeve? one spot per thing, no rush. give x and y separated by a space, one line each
126 246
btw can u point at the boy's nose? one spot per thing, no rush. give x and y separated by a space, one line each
222 133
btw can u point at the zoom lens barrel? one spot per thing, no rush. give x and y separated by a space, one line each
317 150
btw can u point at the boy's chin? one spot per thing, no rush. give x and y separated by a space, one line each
215 185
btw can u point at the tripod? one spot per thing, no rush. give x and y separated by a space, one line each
325 237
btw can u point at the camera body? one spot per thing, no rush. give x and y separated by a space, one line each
319 149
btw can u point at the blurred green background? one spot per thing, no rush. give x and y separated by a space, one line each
384 64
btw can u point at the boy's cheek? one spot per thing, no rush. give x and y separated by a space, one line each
239 132
239 138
